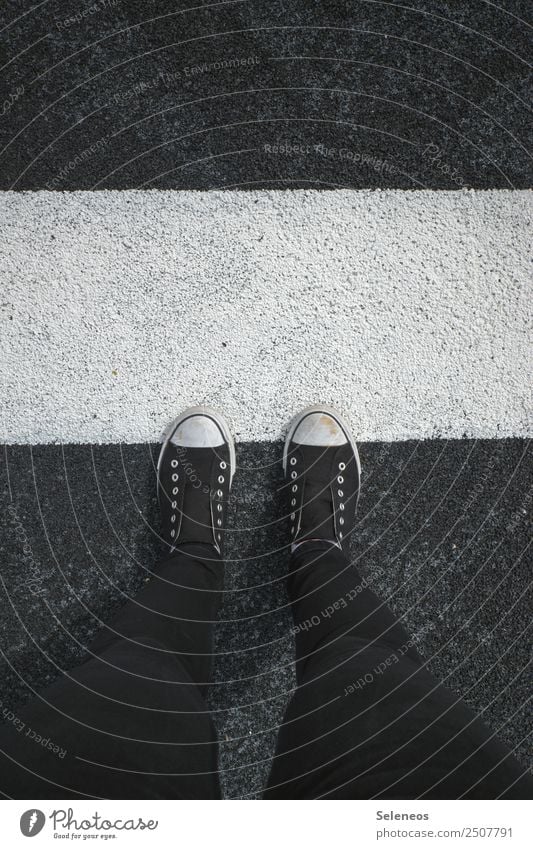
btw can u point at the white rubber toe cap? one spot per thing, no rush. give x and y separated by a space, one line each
197 432
319 429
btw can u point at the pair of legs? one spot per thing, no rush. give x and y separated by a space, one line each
367 719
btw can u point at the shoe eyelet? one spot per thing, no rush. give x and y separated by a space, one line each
221 478
173 463
293 516
174 505
175 477
342 466
173 518
219 537
341 520
294 475
219 508
295 488
292 530
293 502
340 479
175 490
341 493
219 493
341 506
219 522
340 535
223 464
172 532
293 461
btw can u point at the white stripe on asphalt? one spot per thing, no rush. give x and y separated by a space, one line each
406 310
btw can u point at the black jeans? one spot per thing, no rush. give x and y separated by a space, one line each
367 719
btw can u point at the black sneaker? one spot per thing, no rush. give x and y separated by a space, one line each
323 472
194 475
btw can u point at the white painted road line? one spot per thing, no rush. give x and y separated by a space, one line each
406 310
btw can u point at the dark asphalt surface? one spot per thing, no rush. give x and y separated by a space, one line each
247 94
442 534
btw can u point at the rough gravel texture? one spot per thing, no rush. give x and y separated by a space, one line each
409 311
246 94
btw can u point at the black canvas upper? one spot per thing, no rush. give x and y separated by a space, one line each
193 487
322 486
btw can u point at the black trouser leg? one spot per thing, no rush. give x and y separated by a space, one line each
131 722
368 720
